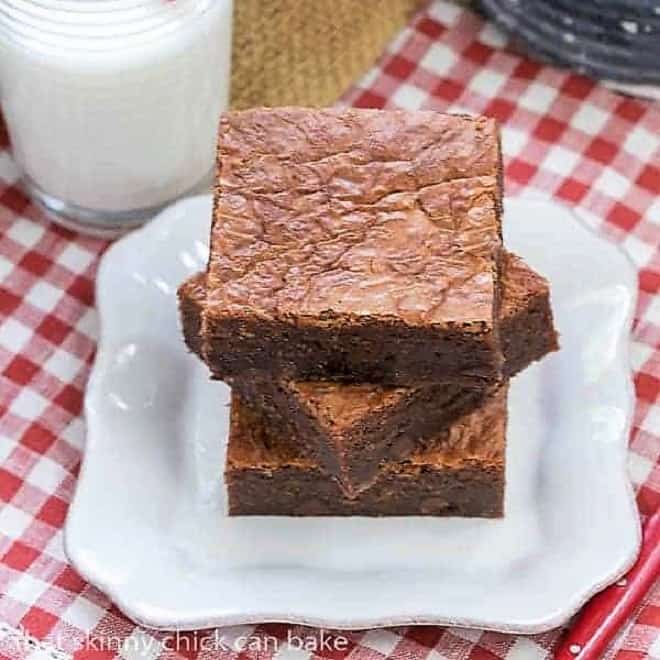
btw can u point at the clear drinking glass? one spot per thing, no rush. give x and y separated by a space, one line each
112 105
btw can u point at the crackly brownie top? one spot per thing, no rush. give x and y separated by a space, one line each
350 214
337 407
477 437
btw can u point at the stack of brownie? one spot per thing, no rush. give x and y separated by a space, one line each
360 303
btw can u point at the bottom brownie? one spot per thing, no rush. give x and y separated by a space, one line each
463 475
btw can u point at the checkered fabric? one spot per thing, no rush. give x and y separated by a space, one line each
564 136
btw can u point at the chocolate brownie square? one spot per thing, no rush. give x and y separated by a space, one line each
461 474
355 245
351 428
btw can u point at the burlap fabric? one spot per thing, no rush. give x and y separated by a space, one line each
308 52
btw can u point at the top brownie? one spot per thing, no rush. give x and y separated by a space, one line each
355 245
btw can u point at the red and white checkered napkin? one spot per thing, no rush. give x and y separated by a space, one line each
563 136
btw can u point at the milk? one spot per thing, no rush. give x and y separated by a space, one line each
112 105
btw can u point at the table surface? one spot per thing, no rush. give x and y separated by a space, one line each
563 135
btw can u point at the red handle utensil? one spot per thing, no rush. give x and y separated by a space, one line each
604 615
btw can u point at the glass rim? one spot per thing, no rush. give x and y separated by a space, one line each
126 25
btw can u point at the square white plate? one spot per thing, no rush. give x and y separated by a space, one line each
148 523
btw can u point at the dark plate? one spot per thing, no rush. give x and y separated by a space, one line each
614 39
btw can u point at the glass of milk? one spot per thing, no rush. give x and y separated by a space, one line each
112 106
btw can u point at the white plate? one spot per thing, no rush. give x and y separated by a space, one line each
148 523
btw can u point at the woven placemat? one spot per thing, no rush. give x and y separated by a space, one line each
308 52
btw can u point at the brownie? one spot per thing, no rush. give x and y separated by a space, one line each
355 245
527 331
352 428
463 474
191 294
